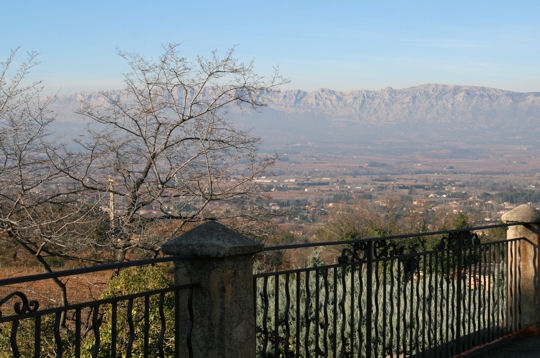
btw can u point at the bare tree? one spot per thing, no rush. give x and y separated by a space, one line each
163 147
39 209
39 204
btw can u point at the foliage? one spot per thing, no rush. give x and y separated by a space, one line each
126 316
129 281
324 310
461 221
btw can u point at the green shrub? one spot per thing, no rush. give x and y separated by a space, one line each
129 281
323 311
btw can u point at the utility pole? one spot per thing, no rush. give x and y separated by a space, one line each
111 202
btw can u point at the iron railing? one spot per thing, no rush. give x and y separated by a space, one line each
432 294
35 320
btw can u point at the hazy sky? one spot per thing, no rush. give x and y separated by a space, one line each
342 45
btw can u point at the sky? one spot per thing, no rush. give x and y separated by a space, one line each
340 45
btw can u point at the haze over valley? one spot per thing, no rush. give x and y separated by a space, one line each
427 122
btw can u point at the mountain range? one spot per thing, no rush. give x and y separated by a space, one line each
421 118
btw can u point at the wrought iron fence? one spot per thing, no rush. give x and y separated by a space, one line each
431 294
136 321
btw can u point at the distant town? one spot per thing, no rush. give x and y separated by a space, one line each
308 188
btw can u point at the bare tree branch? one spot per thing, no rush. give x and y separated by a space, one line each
166 141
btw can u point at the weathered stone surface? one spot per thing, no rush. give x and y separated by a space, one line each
523 213
218 261
211 239
523 294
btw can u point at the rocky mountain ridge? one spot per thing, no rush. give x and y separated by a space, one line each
425 102
421 115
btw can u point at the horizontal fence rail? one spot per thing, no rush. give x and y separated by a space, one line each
432 294
137 322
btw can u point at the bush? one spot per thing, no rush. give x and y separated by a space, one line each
129 281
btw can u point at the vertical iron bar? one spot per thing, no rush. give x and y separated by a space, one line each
13 338
505 270
477 328
400 314
37 337
369 299
317 312
326 304
57 336
391 315
265 315
505 277
78 323
335 310
163 325
191 319
518 281
491 320
496 276
358 269
385 302
342 309
359 327
450 299
426 299
146 325
298 314
381 306
433 303
499 275
417 306
177 301
486 316
406 324
410 301
286 310
114 327
459 293
465 320
276 315
95 328
445 296
306 314
131 325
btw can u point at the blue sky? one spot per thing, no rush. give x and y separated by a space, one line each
342 45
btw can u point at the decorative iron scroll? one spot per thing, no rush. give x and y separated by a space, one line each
362 252
353 254
459 250
24 305
459 240
463 250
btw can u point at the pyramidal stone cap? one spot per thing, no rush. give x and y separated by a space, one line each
211 239
523 213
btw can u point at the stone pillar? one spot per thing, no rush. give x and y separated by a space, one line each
219 261
523 259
